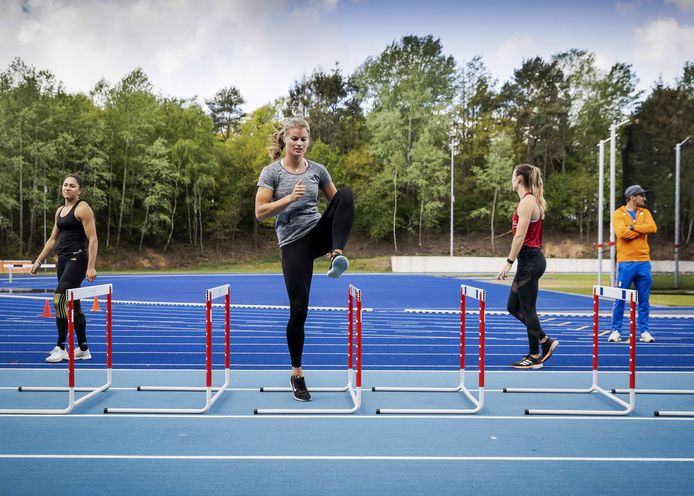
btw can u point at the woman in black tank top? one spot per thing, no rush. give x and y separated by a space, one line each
75 241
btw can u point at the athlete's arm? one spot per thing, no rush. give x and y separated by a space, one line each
266 208
85 215
329 191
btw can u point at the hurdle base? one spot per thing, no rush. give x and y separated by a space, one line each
460 388
210 398
673 413
355 395
628 407
313 390
655 391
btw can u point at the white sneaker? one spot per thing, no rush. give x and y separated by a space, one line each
615 337
57 355
338 265
82 355
646 337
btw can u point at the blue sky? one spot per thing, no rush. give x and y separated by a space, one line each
193 48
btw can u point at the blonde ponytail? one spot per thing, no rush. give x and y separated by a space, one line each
277 142
532 178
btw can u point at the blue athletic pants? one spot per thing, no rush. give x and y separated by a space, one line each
638 274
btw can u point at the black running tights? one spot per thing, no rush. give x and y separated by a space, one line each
331 232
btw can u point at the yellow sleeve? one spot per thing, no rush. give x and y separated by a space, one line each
647 225
621 228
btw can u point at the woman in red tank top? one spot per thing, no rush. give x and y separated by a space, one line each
527 249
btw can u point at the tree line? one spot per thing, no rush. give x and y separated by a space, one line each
160 170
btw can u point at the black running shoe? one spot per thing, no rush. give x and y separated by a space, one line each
528 362
299 388
548 348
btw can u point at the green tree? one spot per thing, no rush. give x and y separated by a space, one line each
495 178
226 110
408 87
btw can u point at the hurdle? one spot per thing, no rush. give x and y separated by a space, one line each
465 292
210 294
22 267
616 294
354 347
72 295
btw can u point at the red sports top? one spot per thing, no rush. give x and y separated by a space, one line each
533 237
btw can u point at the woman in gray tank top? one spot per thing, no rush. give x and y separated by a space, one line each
288 189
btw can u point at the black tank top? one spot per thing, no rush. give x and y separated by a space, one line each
72 237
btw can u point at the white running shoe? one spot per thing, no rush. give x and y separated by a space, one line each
57 355
338 265
646 337
82 355
615 337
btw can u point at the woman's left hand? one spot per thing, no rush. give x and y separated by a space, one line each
91 275
504 272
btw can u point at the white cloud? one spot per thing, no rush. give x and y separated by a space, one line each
186 48
512 50
682 4
661 48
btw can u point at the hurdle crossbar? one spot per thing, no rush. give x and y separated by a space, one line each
22 267
72 295
354 348
616 294
465 292
210 398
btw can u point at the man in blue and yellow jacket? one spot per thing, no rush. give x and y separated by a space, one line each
632 225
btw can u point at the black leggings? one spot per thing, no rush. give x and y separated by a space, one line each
331 232
71 271
523 295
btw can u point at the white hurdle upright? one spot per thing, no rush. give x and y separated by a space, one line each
210 294
616 294
481 296
354 327
72 295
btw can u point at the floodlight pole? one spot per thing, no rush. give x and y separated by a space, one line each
677 211
613 181
453 145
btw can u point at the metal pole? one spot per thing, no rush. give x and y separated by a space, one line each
677 212
45 191
601 202
452 196
613 182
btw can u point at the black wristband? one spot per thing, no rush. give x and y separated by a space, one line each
509 261
38 262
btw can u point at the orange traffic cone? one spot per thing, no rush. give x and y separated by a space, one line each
47 314
95 305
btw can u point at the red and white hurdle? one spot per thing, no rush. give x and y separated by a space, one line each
72 295
354 347
630 296
465 292
210 295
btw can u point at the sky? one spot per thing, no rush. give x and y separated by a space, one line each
193 48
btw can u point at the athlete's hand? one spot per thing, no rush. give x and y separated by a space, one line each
299 190
35 268
91 275
504 272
